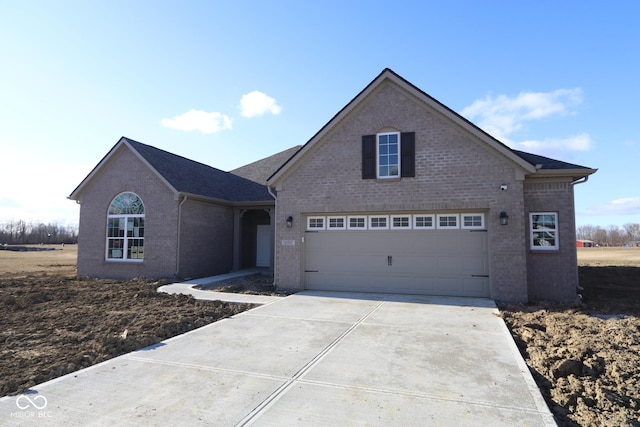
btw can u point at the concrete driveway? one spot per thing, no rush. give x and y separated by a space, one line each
314 358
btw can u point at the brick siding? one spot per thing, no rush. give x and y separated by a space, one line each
454 171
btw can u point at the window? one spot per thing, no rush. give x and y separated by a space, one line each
473 221
315 223
403 221
448 221
378 222
125 228
424 222
388 155
336 223
357 223
544 231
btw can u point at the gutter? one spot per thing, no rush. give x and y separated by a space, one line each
580 180
179 227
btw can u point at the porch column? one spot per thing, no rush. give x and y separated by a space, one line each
237 216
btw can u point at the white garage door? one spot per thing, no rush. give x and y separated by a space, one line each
433 262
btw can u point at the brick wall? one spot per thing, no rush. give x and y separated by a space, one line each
125 172
552 275
454 171
206 242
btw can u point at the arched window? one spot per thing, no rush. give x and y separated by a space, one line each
125 228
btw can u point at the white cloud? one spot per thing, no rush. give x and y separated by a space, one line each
623 206
257 103
199 120
502 117
581 142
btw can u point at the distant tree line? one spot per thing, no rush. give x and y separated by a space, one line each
610 236
20 232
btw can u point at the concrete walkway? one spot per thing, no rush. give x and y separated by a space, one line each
312 359
188 288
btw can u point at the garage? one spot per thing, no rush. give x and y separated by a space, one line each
429 254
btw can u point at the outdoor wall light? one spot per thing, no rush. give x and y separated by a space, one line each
504 218
289 221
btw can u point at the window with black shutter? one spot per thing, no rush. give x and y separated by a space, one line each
388 155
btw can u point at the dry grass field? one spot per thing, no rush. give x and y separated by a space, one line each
60 261
603 257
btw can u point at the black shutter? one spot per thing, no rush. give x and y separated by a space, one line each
408 154
368 157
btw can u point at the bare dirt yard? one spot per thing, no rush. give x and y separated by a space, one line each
585 357
53 323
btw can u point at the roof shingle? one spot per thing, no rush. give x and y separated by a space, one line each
188 176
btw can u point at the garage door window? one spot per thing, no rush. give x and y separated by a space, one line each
544 231
336 223
378 222
472 221
315 223
424 222
448 221
357 223
399 222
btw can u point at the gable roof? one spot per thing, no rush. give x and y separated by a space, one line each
259 171
185 176
519 158
547 166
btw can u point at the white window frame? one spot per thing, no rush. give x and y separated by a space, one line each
400 227
310 219
372 217
362 217
128 219
472 227
424 227
344 223
448 227
378 156
555 231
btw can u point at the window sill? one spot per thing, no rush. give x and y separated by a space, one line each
126 261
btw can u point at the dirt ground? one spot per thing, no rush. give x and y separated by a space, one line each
53 323
585 357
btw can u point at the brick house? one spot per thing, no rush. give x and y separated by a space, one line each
145 212
396 193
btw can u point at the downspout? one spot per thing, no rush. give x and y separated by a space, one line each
578 287
581 180
179 227
274 233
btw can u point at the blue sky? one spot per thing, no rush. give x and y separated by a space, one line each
229 82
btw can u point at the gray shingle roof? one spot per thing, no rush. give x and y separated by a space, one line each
546 162
259 171
188 176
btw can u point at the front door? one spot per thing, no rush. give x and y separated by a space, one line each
263 246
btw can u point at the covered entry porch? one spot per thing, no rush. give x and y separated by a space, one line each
253 237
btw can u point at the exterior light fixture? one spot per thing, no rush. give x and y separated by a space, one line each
504 218
289 221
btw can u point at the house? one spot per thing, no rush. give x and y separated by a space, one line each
396 193
145 212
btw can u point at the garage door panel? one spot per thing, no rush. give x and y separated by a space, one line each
436 262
